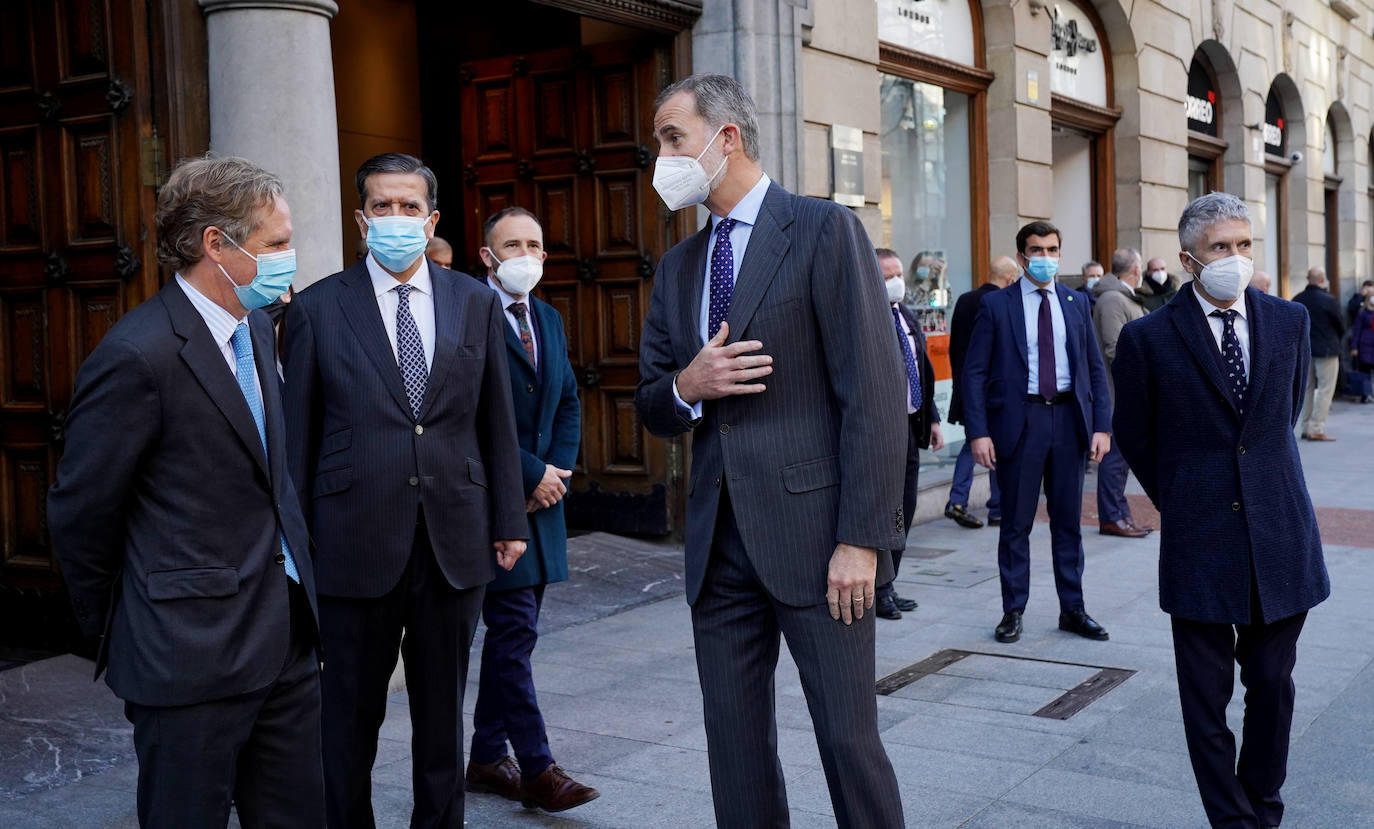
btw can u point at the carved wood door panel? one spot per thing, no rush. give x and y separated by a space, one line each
568 135
74 250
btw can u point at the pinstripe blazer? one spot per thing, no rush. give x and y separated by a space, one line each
1229 487
818 458
364 463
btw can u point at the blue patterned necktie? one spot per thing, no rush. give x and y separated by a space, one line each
1234 359
410 351
913 379
722 278
246 371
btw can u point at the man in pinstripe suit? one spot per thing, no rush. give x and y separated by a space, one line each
795 483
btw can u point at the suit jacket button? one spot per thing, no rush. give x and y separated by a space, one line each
419 430
1235 506
530 388
1242 450
717 481
280 558
414 481
725 428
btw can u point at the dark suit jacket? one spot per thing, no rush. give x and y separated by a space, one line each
167 515
1229 488
366 464
1327 326
960 331
809 462
929 413
997 369
548 424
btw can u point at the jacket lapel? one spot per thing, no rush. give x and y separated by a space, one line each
359 305
767 247
1071 328
551 381
1260 357
690 286
265 355
449 308
1197 336
206 361
1018 321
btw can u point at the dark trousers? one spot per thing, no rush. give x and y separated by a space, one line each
962 484
1244 796
361 638
1050 452
737 628
260 751
909 487
507 708
1111 487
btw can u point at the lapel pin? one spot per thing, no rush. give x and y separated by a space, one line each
1069 297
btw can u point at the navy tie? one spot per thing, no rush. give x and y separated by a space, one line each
410 351
1049 382
913 378
246 370
722 278
1234 359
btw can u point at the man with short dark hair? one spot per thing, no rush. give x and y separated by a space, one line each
1326 328
1037 403
402 430
1208 391
179 532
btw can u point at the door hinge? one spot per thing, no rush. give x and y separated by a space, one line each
152 151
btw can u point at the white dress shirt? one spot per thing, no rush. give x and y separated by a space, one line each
1217 324
1030 301
420 300
507 300
222 326
911 343
746 215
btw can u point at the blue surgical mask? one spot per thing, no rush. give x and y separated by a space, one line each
923 272
1091 282
275 271
1042 269
397 241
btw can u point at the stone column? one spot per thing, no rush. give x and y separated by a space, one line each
272 102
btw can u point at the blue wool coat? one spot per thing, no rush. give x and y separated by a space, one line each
1229 486
548 425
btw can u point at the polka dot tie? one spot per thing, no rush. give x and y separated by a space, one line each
722 278
913 379
1232 357
410 351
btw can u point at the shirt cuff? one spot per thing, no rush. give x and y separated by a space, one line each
688 412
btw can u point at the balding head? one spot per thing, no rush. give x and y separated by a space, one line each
1316 277
1260 281
1004 271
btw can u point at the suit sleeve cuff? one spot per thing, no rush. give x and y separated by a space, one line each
692 412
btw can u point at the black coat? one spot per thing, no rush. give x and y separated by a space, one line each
960 330
1325 314
929 413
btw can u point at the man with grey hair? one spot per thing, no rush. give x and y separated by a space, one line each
1117 304
1206 425
177 525
796 486
1327 329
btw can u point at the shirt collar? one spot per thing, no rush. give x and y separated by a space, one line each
507 300
383 281
1239 306
220 322
746 211
1030 286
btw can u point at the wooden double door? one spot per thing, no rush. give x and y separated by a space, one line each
567 134
75 252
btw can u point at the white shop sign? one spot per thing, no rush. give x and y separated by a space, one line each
943 28
1078 67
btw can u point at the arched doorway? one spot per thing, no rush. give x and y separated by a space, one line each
1338 177
1284 136
1212 111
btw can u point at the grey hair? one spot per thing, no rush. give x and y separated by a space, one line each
1123 259
1205 211
224 192
720 100
397 163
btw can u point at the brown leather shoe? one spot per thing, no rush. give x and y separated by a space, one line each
1146 528
501 777
1319 436
555 791
1123 528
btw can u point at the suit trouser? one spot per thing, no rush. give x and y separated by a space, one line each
736 625
1050 451
963 483
1321 388
260 750
1243 796
507 708
1112 505
909 488
361 638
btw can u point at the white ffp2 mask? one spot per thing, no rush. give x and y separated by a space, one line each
682 181
1225 279
519 274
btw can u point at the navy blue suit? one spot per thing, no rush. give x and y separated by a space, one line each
1240 557
547 422
1035 442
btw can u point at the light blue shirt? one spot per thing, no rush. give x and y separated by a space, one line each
221 324
746 215
1063 379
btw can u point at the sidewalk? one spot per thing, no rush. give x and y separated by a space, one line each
619 691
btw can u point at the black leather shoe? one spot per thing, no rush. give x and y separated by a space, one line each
903 604
886 608
1009 629
962 516
1079 622
994 522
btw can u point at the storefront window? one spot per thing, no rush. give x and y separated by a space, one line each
1073 197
